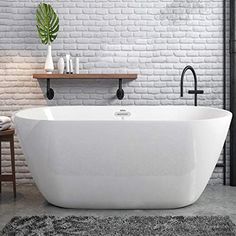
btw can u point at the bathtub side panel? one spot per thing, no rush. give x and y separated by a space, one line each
112 164
209 138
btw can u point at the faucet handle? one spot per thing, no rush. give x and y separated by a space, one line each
195 91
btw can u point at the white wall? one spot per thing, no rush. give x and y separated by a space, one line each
155 39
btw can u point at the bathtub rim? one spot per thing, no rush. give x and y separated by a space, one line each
225 113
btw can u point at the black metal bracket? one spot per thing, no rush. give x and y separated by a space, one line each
50 91
120 92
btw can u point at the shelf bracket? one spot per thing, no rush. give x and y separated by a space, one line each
50 91
120 92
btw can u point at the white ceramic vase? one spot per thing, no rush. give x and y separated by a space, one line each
49 67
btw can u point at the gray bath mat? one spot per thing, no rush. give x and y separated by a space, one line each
133 225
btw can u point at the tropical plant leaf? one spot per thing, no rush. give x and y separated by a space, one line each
47 23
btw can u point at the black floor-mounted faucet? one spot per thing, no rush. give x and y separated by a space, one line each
195 91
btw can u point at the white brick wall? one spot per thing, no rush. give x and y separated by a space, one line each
155 39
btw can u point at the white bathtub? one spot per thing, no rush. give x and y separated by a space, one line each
141 157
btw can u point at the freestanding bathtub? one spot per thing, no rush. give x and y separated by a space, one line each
122 157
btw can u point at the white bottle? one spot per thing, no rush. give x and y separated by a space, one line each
71 67
77 65
61 65
67 64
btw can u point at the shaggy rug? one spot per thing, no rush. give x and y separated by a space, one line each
133 225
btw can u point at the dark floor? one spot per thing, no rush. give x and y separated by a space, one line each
216 200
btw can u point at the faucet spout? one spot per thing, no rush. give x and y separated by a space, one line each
195 91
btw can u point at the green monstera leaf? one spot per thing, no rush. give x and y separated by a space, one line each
47 23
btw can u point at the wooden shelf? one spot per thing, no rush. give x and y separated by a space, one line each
85 76
120 77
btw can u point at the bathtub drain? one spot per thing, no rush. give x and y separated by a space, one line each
122 114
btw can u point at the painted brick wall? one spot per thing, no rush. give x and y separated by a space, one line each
154 38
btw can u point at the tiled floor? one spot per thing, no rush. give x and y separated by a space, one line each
216 200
